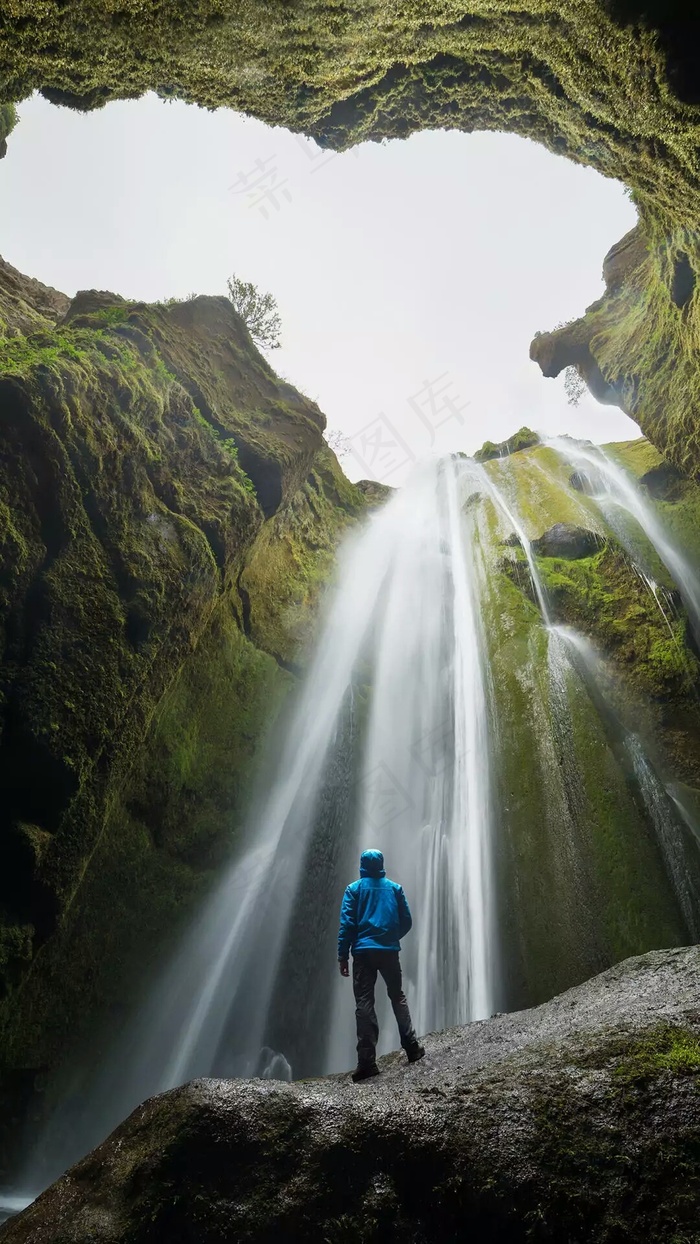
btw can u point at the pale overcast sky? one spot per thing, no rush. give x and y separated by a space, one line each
410 276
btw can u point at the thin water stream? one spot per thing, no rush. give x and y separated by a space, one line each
620 499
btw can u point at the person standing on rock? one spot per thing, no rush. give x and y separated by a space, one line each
374 916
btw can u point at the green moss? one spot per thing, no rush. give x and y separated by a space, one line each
535 484
679 509
637 342
20 354
634 1061
570 823
601 595
631 900
143 447
294 558
638 456
524 438
172 822
670 1049
8 121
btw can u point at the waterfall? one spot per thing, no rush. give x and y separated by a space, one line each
403 633
447 719
425 790
620 499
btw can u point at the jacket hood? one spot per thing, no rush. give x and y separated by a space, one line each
372 864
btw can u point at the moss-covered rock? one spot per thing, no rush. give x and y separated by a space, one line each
137 680
634 345
524 438
677 504
646 637
8 121
293 560
25 304
577 1121
570 819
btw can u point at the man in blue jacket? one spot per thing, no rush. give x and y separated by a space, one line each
374 916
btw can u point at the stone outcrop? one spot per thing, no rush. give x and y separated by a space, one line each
576 1121
524 438
374 493
26 305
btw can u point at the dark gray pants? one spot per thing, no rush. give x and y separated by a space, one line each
365 965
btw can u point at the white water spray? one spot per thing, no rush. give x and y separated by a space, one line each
617 494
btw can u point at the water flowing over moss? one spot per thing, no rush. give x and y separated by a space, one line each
571 822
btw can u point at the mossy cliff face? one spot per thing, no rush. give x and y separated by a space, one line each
136 686
26 305
609 83
578 1121
581 848
636 346
8 120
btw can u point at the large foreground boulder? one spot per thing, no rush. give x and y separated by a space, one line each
576 1121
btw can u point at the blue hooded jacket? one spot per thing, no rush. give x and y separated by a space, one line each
374 914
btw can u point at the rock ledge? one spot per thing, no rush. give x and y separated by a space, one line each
576 1121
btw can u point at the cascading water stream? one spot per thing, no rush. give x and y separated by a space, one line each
425 791
501 504
568 646
616 494
404 626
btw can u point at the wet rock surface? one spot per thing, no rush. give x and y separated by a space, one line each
568 541
578 1120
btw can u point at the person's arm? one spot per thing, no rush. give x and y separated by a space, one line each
405 917
348 928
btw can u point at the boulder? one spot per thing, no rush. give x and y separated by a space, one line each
576 1121
567 540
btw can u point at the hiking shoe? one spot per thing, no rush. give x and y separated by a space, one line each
414 1052
363 1071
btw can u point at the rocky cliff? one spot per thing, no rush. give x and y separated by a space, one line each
581 817
610 83
169 513
577 1121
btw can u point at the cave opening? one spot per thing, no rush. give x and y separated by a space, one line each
410 275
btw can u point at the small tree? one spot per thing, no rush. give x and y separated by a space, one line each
338 442
259 311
